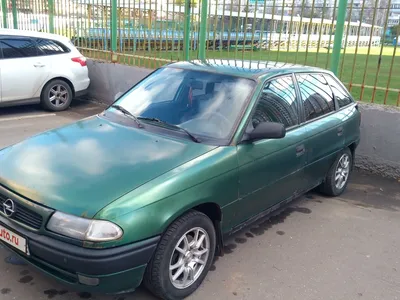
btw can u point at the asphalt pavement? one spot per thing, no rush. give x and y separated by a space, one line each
319 248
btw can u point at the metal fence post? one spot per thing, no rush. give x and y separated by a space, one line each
14 13
186 37
203 29
51 16
337 42
113 29
4 9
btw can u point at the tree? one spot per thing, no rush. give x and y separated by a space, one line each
234 5
369 9
395 31
381 13
182 2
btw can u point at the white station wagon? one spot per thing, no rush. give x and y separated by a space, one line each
37 67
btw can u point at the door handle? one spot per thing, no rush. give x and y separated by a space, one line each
39 65
300 150
340 131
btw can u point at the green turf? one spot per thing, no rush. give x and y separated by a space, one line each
355 68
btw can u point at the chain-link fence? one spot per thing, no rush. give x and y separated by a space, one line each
150 33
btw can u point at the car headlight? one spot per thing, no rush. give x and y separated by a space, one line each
84 229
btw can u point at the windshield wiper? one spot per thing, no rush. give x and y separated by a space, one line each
194 139
127 113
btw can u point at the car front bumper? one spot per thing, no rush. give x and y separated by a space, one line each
110 271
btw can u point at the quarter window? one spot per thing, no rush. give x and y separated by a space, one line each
342 97
49 47
316 95
277 103
18 48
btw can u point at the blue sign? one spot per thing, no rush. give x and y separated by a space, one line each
259 2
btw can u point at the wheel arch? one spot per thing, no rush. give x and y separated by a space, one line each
327 187
352 148
69 82
211 210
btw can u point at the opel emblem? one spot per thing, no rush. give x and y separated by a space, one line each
8 207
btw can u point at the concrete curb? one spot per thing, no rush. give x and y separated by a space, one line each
379 149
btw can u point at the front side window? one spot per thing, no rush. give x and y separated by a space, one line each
342 97
49 47
277 103
316 95
18 48
206 104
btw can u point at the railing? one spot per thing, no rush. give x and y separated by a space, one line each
150 33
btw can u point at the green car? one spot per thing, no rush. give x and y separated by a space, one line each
149 189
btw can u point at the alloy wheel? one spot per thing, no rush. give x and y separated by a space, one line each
189 258
342 171
58 95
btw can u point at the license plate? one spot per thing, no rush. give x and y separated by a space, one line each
13 239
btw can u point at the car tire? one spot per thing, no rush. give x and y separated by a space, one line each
338 176
56 95
159 279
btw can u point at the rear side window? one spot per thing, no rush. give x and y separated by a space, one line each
277 103
18 48
342 97
50 47
316 95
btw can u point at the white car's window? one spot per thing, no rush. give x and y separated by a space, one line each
50 47
18 48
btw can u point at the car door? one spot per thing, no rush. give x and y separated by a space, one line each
271 171
346 110
323 124
23 71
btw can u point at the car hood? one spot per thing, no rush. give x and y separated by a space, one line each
82 167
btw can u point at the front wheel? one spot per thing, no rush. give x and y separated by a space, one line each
338 176
183 257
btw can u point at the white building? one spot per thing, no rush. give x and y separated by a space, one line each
394 14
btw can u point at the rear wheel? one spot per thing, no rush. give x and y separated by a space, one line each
183 257
338 176
56 95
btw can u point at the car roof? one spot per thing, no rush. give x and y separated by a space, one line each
36 34
246 68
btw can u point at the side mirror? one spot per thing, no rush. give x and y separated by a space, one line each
268 130
119 94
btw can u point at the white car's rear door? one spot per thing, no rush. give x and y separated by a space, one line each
23 69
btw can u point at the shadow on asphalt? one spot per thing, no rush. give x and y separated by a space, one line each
77 107
21 109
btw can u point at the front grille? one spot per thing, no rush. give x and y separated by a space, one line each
23 214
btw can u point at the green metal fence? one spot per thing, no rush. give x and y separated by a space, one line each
354 38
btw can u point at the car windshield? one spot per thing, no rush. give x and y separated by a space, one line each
205 104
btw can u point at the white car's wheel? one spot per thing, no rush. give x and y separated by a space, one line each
56 95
